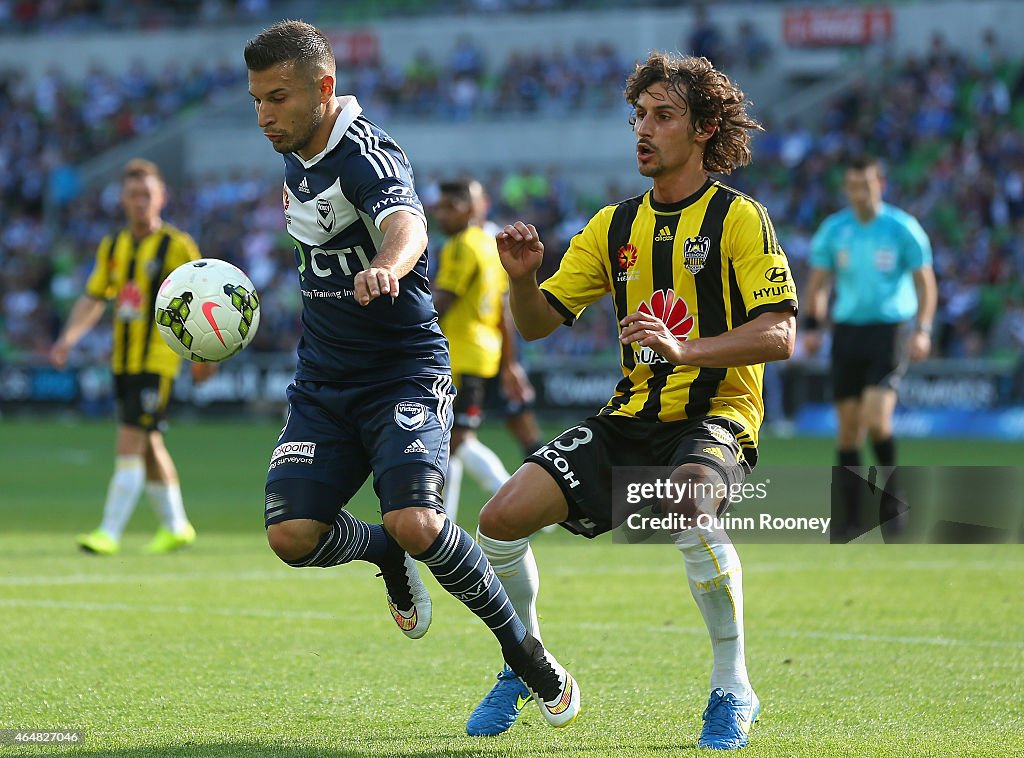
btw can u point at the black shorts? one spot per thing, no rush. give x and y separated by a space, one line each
469 402
867 355
142 400
581 459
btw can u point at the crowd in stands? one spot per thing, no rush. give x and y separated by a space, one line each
55 122
75 16
465 85
948 126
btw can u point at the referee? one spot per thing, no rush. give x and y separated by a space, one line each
881 262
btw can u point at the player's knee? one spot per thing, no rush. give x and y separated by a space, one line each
293 540
879 428
410 499
695 489
414 529
499 519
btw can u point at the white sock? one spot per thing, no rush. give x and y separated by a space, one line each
122 493
482 464
167 504
515 565
716 583
452 489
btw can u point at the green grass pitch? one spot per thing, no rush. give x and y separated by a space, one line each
224 651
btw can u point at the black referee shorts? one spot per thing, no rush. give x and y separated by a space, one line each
867 355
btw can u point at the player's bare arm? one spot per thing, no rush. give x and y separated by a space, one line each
443 300
405 239
921 339
818 289
84 315
769 337
521 253
514 380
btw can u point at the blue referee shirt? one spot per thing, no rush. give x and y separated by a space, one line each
872 264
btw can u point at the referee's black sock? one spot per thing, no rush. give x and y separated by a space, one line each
846 492
892 511
885 451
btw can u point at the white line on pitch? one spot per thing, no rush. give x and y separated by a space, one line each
670 567
322 616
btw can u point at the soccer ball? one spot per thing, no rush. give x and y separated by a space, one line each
207 310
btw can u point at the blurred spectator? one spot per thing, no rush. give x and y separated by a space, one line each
706 38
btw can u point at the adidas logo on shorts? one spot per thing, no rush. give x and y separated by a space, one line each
416 446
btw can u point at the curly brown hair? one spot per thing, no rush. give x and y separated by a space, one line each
713 99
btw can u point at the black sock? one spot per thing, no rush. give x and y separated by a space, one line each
350 539
846 492
460 566
885 451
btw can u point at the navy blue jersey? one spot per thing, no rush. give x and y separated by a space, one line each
333 205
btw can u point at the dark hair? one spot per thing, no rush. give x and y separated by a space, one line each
288 41
140 168
459 189
714 101
863 162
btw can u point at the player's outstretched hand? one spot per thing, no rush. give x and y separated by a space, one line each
516 383
520 249
650 331
59 354
374 282
202 371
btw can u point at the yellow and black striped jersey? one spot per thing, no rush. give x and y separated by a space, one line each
129 272
470 269
704 265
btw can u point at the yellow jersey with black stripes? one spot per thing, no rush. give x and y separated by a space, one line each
470 269
129 273
704 265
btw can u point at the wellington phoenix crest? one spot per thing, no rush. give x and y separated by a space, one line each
695 253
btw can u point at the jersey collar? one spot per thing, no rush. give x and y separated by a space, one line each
686 202
349 113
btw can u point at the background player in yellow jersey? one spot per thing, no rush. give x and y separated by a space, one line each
130 265
469 294
704 297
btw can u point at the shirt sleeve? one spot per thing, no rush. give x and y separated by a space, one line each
456 267
762 269
100 285
821 249
376 177
582 276
182 250
917 248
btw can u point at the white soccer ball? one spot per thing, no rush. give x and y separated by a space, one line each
207 310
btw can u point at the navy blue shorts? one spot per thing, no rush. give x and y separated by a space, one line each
338 434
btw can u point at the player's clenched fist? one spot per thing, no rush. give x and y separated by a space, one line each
374 282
